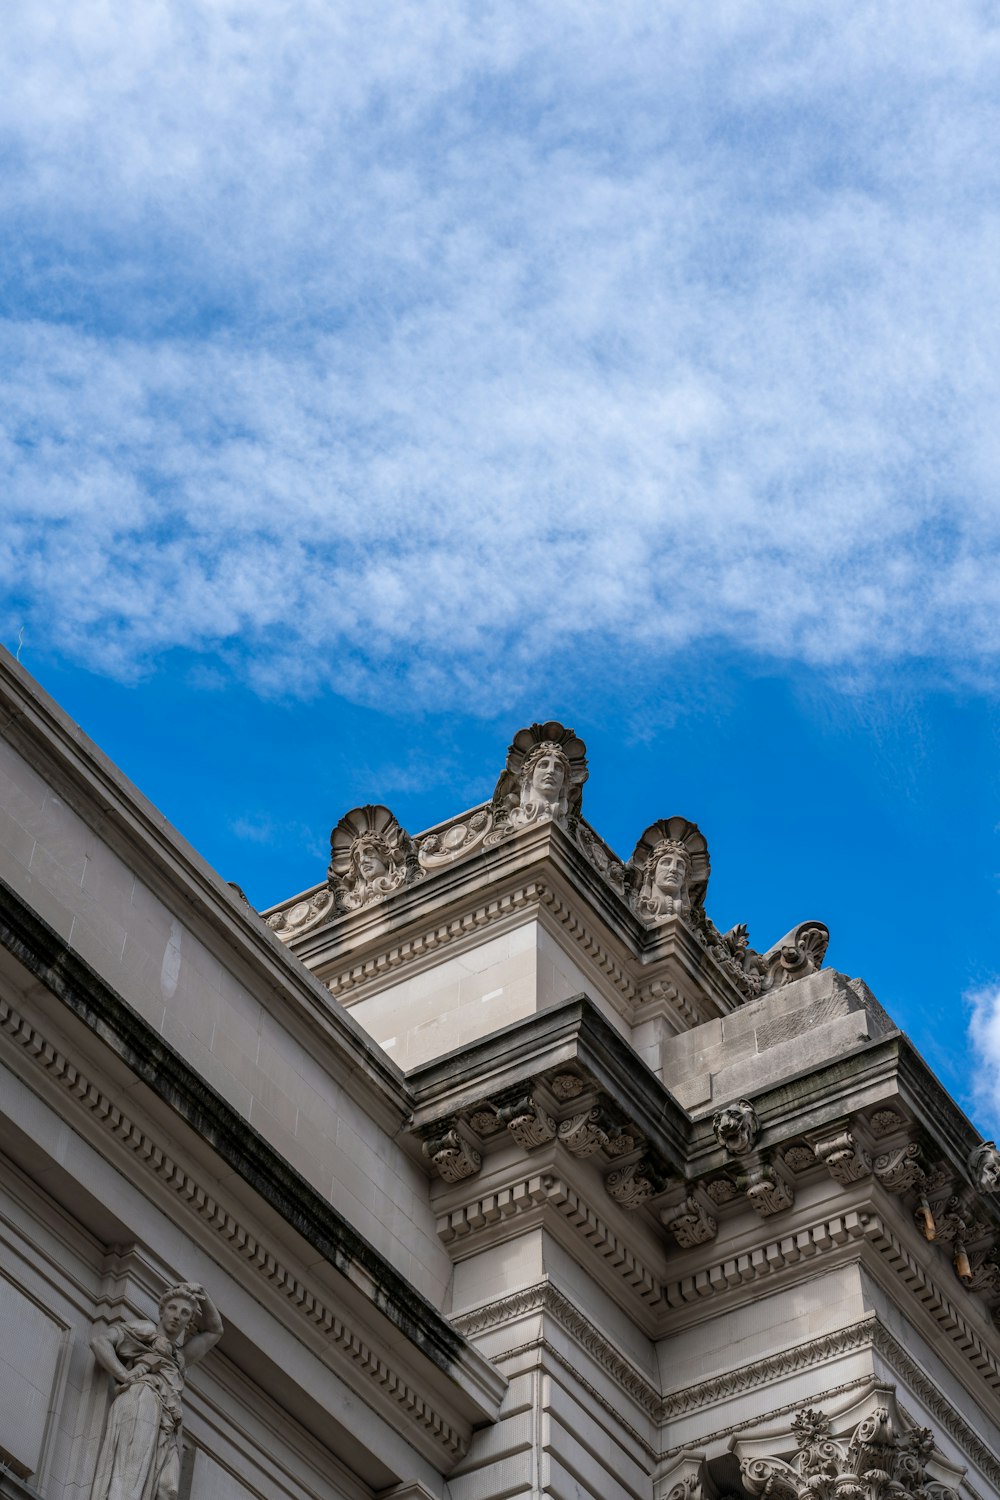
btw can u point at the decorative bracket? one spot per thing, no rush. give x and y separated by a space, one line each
452 1156
689 1224
844 1159
527 1122
631 1186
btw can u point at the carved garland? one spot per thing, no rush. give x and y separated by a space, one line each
239 1238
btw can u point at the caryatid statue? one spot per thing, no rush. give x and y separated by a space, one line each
668 872
544 776
140 1454
370 856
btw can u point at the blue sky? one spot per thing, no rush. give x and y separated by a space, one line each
376 379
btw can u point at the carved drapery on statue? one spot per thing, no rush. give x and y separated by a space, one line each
667 875
370 857
542 780
139 1457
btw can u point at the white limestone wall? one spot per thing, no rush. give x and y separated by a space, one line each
289 1090
464 997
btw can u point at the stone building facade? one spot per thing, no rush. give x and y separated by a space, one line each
488 1167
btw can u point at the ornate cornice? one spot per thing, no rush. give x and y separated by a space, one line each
549 1189
375 967
867 1333
302 1300
543 1297
929 1294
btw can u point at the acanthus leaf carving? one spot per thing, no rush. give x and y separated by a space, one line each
603 859
689 1223
899 1170
765 1191
985 1276
633 1185
583 1134
955 1218
844 1158
879 1459
800 952
525 1119
450 1154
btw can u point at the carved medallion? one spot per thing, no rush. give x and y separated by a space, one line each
292 920
446 845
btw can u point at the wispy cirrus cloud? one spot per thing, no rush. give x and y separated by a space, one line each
984 1047
377 349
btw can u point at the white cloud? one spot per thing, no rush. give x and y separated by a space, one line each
984 1041
348 338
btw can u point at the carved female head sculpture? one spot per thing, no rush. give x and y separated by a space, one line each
737 1127
668 873
984 1167
371 856
544 776
179 1308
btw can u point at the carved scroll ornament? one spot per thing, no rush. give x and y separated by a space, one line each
450 1154
461 838
140 1455
302 915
